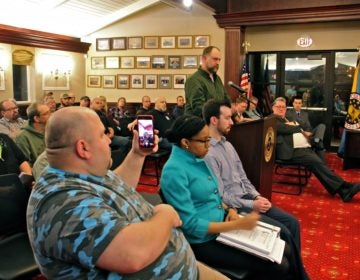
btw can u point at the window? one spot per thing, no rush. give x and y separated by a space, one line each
21 82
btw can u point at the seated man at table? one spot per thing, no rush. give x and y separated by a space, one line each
85 221
292 145
235 188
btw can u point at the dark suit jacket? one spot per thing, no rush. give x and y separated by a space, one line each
303 120
284 139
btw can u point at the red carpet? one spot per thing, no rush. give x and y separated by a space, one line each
330 229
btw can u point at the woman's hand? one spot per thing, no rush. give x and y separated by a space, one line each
232 215
249 221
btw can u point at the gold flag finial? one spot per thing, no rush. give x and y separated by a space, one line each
246 45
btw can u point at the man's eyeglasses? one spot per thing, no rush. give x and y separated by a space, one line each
280 107
205 141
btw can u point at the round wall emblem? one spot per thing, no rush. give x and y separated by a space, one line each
269 143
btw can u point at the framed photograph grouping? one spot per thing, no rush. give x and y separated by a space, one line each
137 81
153 42
146 62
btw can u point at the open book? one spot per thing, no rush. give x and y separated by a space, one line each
263 241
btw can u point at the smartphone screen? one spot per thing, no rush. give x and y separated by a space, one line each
146 131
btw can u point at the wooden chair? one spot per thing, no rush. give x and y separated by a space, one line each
16 257
158 160
290 169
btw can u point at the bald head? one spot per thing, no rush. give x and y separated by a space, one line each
66 126
160 104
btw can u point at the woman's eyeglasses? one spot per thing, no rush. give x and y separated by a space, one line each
205 141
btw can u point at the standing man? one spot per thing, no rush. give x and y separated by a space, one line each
316 135
236 190
10 122
292 145
205 84
85 221
31 138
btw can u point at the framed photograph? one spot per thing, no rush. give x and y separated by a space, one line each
123 81
118 43
143 62
94 81
109 81
151 81
174 62
137 81
103 44
97 62
165 81
167 42
184 42
2 80
190 61
179 80
127 62
50 82
135 42
112 62
151 42
201 41
158 62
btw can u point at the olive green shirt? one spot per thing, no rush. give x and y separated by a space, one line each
199 88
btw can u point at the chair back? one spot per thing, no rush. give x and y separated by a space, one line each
13 203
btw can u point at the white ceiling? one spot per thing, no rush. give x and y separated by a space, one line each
77 18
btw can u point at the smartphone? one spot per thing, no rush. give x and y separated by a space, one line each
146 131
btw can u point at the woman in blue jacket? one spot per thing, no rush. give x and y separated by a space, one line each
189 185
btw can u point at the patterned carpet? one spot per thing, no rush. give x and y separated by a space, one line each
330 229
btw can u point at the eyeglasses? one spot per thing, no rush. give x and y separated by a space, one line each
205 141
280 107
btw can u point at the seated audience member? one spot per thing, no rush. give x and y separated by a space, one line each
252 112
85 101
315 135
179 108
236 190
121 117
64 101
51 103
239 111
85 221
145 107
162 122
104 106
12 159
189 185
72 99
31 138
10 122
39 165
292 145
117 142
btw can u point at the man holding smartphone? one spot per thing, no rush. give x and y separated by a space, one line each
85 221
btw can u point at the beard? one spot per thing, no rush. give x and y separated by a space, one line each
213 69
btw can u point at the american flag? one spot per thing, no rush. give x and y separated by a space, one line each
245 82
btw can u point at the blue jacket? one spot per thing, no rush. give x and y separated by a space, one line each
189 185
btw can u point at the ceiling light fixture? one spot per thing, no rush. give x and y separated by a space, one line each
187 3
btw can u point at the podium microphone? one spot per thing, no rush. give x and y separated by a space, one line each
235 86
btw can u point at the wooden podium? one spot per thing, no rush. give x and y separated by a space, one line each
254 142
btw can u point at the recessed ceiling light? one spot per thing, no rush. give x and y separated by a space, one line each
187 3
